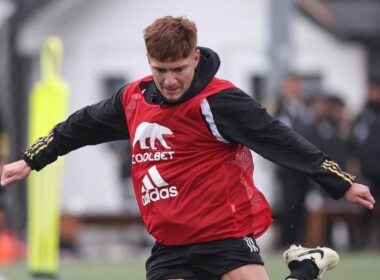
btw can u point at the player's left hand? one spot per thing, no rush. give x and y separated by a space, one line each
360 194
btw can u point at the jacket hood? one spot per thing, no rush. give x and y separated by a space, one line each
207 68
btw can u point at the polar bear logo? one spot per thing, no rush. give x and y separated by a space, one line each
154 132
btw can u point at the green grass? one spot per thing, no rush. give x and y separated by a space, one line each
353 266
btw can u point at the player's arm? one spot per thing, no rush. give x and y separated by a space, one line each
240 119
95 124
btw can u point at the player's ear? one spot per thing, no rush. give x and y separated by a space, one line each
197 56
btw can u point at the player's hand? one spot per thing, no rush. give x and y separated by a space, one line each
14 172
360 194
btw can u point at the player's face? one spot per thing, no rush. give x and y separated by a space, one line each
174 78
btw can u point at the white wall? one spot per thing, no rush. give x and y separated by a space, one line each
342 64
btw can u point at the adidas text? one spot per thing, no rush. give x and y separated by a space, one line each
158 194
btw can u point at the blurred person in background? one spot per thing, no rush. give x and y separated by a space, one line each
330 126
192 169
291 213
341 119
330 132
319 127
11 249
3 144
366 144
122 150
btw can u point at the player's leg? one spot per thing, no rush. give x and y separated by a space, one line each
304 263
247 272
250 272
309 263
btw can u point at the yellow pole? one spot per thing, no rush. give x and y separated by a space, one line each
48 106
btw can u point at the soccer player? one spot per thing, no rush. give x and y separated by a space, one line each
190 136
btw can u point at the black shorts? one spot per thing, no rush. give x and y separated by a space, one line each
203 261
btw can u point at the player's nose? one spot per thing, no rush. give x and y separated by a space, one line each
170 80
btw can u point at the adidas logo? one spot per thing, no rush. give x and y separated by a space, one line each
155 188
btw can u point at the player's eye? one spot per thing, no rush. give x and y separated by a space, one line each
160 70
178 70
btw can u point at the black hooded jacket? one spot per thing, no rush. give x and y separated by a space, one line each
237 116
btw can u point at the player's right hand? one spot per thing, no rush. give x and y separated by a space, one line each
14 172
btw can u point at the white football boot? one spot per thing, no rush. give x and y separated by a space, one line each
325 258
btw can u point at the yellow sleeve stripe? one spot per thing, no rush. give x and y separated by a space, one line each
333 167
41 141
39 145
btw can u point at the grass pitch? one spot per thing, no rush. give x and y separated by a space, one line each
353 266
